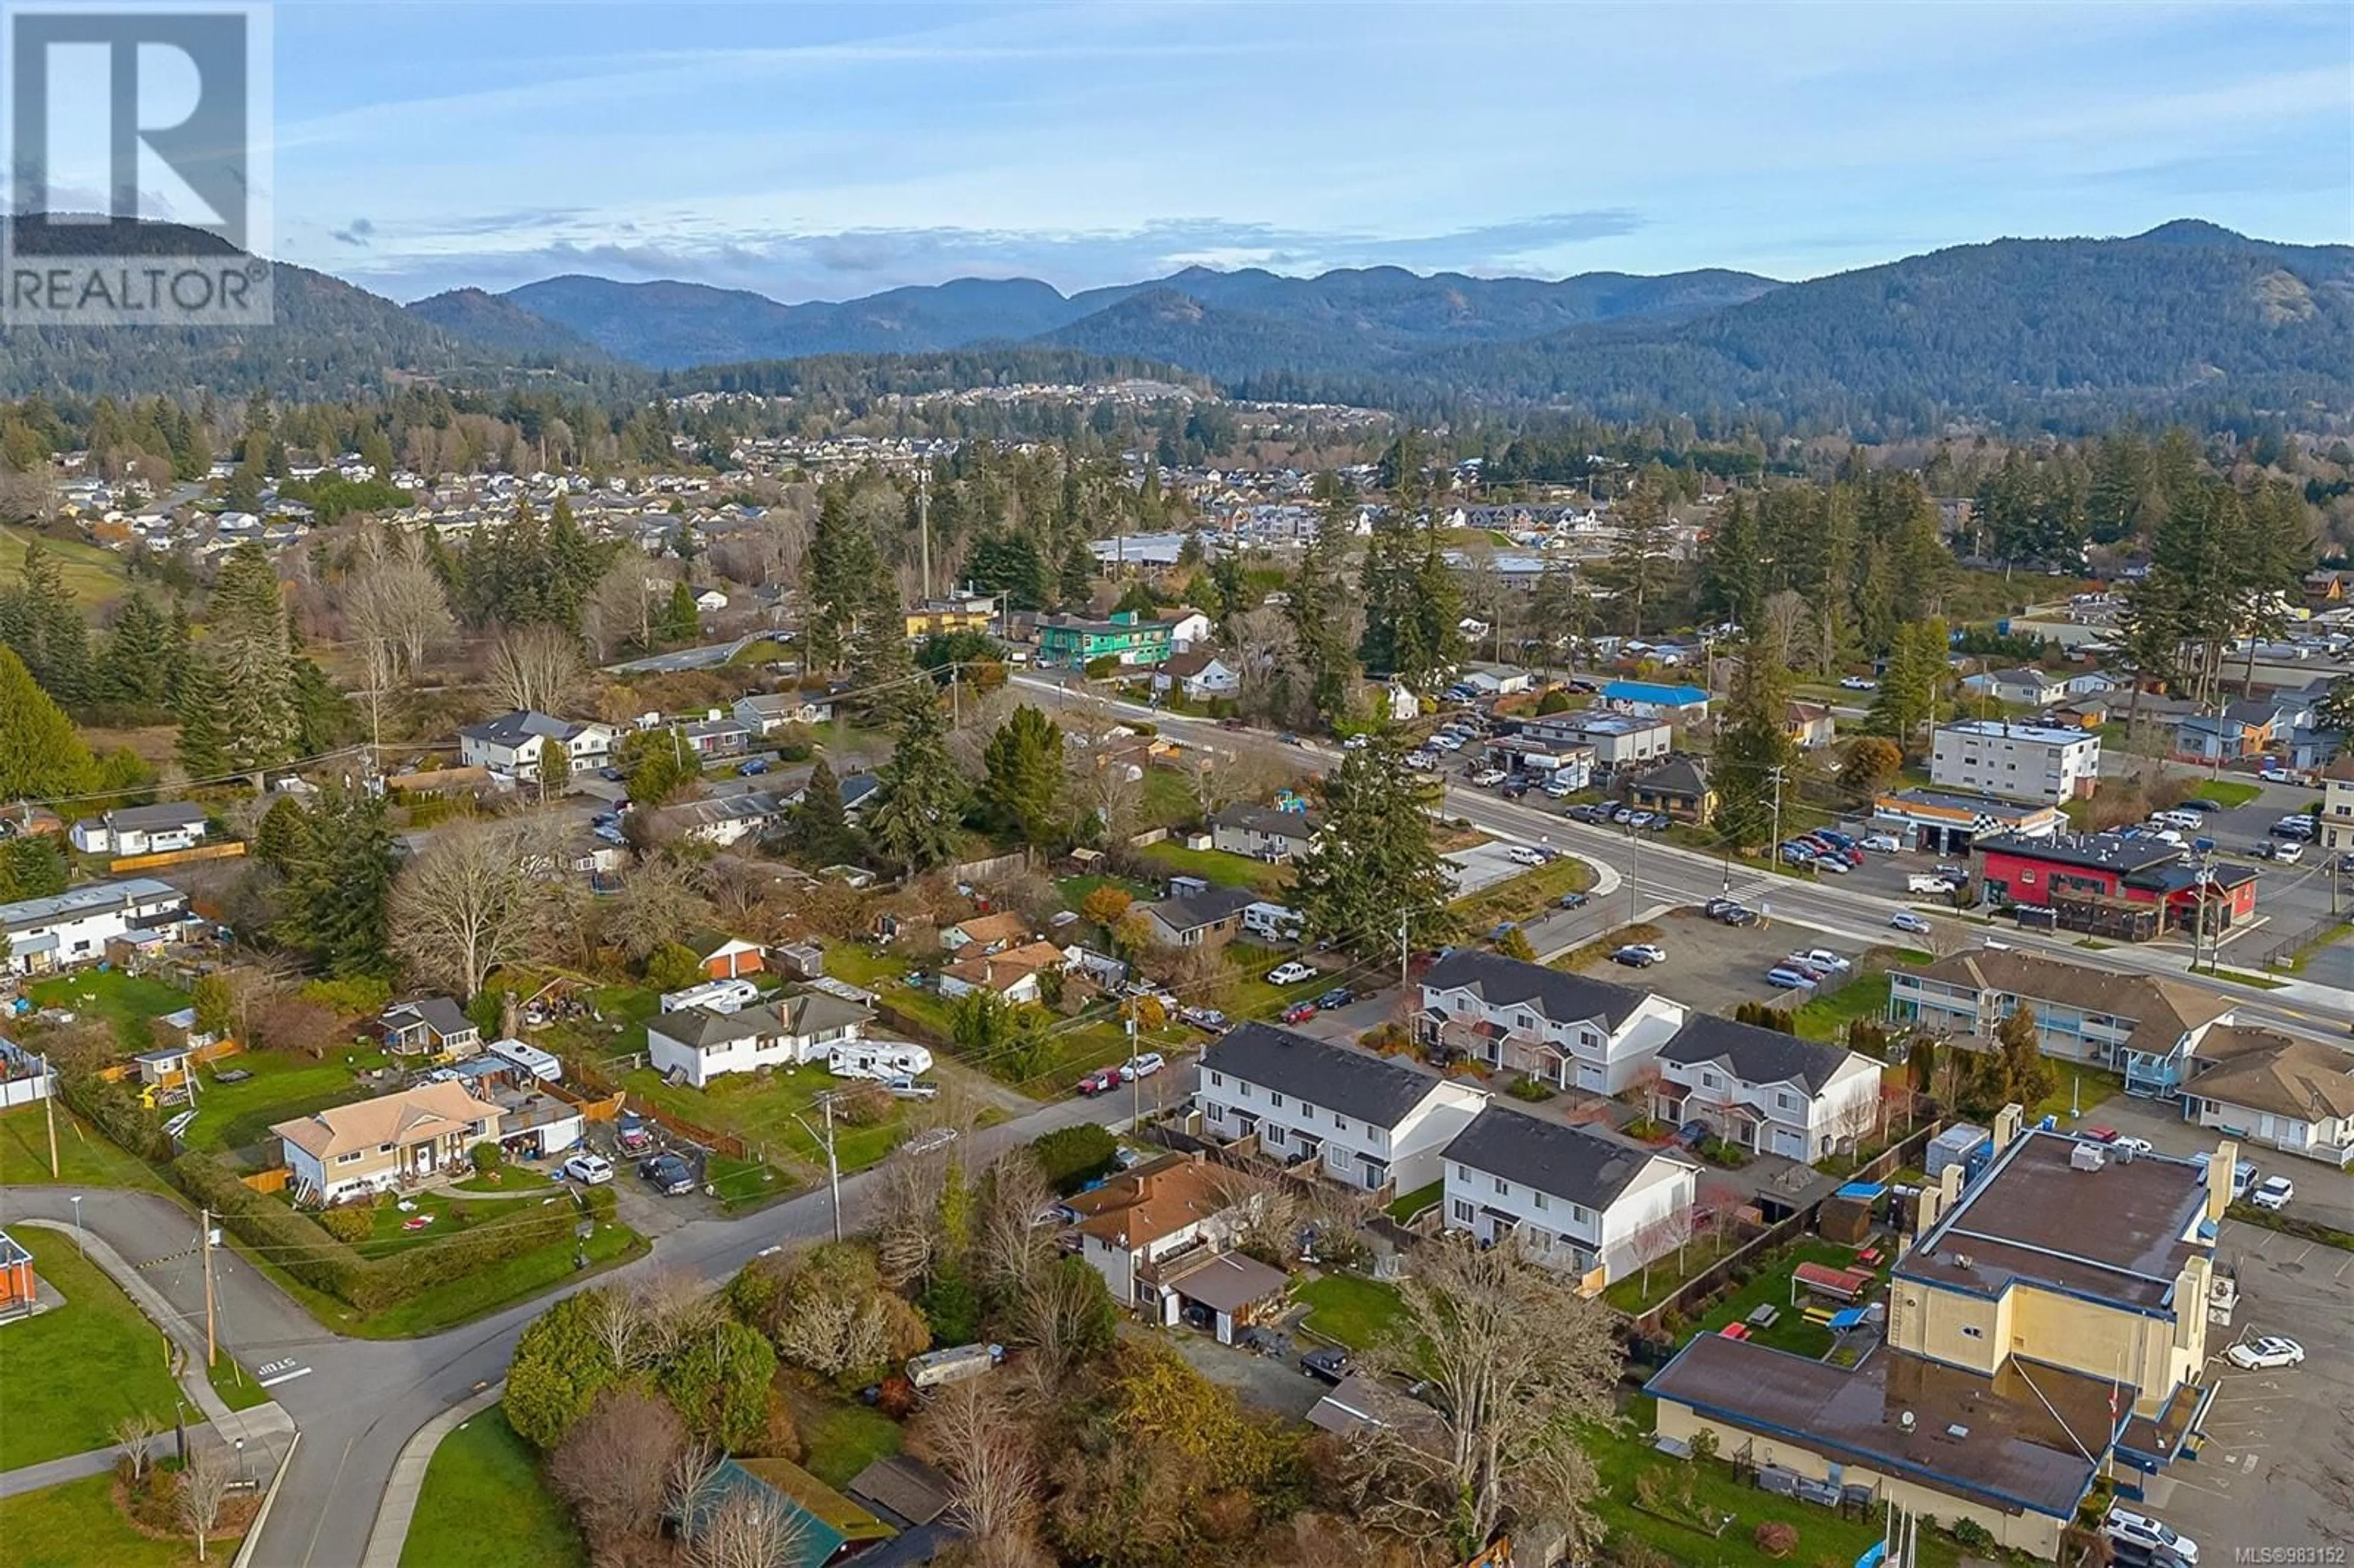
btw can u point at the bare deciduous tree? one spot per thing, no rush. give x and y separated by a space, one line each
1516 1360
204 1486
615 1466
621 607
745 1529
475 900
535 667
907 1238
1012 1247
132 1436
973 1431
1783 627
659 903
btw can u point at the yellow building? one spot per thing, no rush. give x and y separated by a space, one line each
944 615
2046 1326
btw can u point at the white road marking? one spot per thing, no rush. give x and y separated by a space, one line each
285 1377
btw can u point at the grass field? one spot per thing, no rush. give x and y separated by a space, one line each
237 1387
761 1111
69 1375
1827 1017
1531 892
499 1286
1218 867
483 1505
77 1525
282 1088
125 1000
85 1158
1353 1311
1408 1205
2228 792
843 1436
91 574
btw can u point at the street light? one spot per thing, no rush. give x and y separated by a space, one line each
79 1247
240 1461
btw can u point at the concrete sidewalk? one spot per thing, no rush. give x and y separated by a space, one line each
406 1483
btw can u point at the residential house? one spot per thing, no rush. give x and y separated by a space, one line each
2283 1092
1204 917
18 1289
2019 761
711 601
699 1044
1767 1091
429 1027
1809 726
814 1525
1200 673
1368 1122
970 612
1649 699
2144 1027
766 712
986 933
1160 1236
724 819
1262 833
716 736
141 829
393 1140
1678 788
511 744
1014 974
1567 1030
1190 628
2046 1327
1074 641
2109 884
2023 687
1617 741
1589 1203
2337 804
78 926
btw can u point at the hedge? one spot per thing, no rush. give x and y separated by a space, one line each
116 1111
291 1240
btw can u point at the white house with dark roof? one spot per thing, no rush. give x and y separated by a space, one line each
511 744
699 1044
1571 1031
1369 1122
1575 1198
75 927
1261 833
1766 1090
141 829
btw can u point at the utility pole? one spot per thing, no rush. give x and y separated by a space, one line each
1634 868
49 1110
1405 955
924 527
1774 848
832 1165
205 1241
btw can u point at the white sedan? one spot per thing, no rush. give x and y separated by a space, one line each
1905 920
588 1170
1144 1066
2272 1350
1488 777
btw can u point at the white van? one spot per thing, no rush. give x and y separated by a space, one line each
878 1059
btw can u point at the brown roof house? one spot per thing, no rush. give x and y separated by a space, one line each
2295 1096
1159 1234
1013 974
986 933
394 1140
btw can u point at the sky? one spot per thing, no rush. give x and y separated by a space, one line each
812 152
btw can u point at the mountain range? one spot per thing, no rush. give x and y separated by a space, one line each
2188 319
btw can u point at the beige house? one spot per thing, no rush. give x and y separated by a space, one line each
392 1141
2264 1087
2337 804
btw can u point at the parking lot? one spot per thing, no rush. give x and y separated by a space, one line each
2323 1194
2273 1437
1714 968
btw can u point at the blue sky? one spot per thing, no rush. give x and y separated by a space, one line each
812 152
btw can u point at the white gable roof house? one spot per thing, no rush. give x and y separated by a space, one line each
1576 1198
1765 1090
509 745
1570 1031
1368 1122
696 1044
141 829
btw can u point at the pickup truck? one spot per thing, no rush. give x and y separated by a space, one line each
953 1365
1936 884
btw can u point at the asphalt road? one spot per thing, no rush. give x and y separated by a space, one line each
358 1402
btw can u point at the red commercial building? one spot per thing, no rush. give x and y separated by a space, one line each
2114 886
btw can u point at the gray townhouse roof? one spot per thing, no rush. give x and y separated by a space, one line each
1755 1055
1266 820
814 1012
1572 1163
1562 997
1192 911
1374 1089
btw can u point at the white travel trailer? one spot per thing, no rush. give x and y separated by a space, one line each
878 1059
713 996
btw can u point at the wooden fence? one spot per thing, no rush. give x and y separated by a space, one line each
274 1179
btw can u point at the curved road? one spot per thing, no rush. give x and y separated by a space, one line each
358 1402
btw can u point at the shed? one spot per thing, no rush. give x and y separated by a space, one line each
1230 1285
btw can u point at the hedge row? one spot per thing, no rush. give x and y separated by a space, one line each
116 1110
292 1241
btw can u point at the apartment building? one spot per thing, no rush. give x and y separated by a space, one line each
1366 1121
1586 1201
2337 804
2144 1027
2263 1087
2016 761
1570 1031
1765 1090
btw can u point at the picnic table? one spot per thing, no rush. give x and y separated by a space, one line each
1765 1314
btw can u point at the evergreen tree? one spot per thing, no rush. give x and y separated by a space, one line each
340 887
821 831
682 619
282 839
1078 584
1909 686
203 743
918 807
135 668
248 645
1755 753
1318 616
1024 787
1373 869
1640 570
42 756
32 865
1733 565
40 620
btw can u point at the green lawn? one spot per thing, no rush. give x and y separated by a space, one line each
1531 892
77 1525
495 1288
483 1505
85 1158
2077 1087
842 1436
1827 1017
446 1214
283 1087
761 1111
1169 799
92 572
1771 1285
509 1179
1620 1456
1406 1207
69 1375
1218 867
861 965
1355 1312
1075 891
125 1000
2228 792
237 1387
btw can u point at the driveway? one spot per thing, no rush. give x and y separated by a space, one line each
1261 1382
1481 865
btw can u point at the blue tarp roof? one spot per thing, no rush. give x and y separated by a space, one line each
1650 692
1865 1190
1848 1318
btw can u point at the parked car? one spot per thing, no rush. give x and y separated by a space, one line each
1933 884
1290 972
1834 863
1905 920
1522 854
1299 1012
906 1087
1956 874
1144 1065
1559 788
1640 955
609 775
930 1141
668 1174
1357 742
1623 815
1485 776
1827 959
1102 1081
1885 844
1208 1018
754 768
2296 827
2288 852
630 1134
2274 774
2150 1534
2199 804
588 1170
1797 854
1858 683
1339 995
1501 929
2272 1350
1640 818
1788 979
2244 1173
1329 1363
2273 1193
2136 1147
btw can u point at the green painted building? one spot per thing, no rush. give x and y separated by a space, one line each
1072 641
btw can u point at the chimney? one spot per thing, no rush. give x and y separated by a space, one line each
2008 1124
2219 1178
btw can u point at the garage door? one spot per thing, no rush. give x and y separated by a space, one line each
1589 1076
1793 1144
